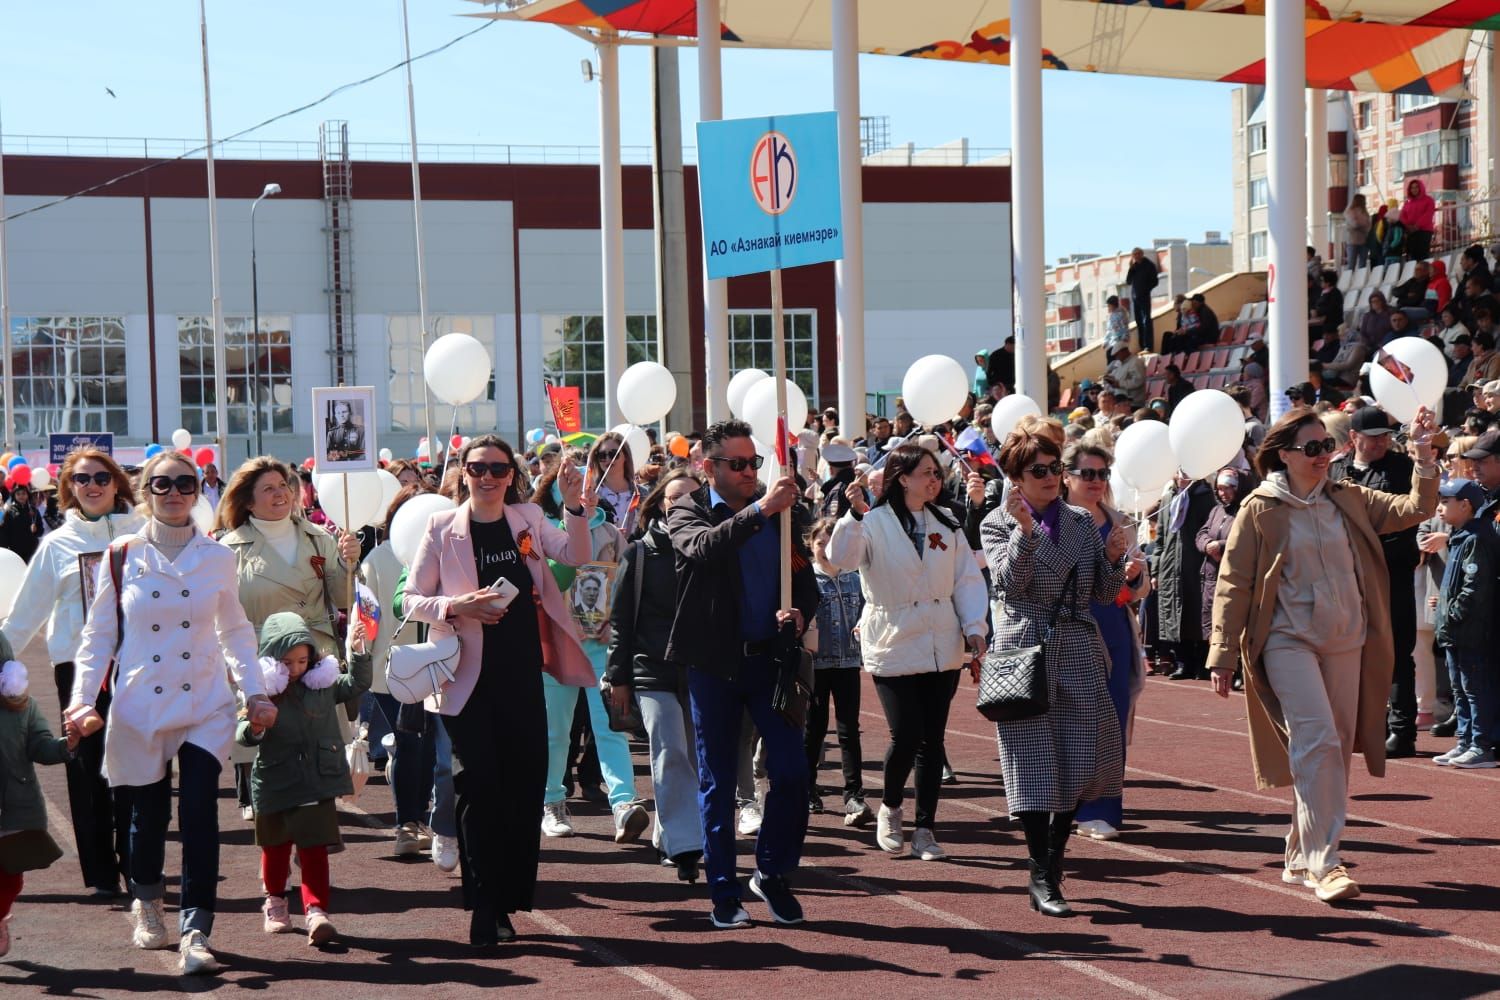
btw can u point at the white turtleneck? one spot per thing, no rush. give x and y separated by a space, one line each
281 536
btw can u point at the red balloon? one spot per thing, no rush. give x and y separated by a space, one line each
52 470
10 483
205 457
21 475
456 441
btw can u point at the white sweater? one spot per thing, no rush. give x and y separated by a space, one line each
52 590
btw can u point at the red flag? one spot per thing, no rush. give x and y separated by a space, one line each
566 411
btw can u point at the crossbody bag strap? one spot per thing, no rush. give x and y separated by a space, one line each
1070 597
639 548
117 554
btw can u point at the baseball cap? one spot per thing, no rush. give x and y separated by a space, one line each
895 441
1371 420
1463 489
1487 445
835 452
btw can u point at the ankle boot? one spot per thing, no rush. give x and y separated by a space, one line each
1055 905
1046 896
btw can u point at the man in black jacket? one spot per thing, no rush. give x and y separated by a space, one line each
1142 277
726 632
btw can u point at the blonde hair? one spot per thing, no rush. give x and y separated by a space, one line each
143 499
1048 427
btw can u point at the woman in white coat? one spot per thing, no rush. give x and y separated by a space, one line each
924 619
171 631
94 494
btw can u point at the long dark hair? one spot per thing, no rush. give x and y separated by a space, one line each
651 507
904 460
513 491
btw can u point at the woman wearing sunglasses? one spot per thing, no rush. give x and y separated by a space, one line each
494 710
1048 561
611 473
1086 482
1302 605
92 492
182 627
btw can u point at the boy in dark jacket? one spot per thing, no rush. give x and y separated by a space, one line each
1465 609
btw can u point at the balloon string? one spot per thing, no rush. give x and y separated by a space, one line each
956 454
624 443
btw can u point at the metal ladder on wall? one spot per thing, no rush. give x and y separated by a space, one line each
333 150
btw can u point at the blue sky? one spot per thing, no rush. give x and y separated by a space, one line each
1126 159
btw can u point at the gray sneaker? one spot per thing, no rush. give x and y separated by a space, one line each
631 821
1475 759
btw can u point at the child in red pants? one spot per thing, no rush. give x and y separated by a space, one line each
301 767
25 741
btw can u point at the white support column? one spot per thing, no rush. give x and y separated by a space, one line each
1286 76
611 225
849 273
8 432
1489 110
1317 172
221 360
1027 228
715 293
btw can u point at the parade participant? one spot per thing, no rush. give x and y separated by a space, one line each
93 493
1301 605
494 710
923 620
1048 560
171 630
301 766
611 472
726 632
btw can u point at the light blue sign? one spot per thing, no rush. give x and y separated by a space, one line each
768 190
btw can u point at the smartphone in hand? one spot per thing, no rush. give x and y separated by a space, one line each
504 592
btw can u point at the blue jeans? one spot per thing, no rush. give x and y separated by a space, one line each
1474 703
197 826
718 707
614 748
423 768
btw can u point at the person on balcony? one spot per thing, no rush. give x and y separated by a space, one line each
1419 218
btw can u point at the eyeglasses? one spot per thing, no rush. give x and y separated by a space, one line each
603 457
1313 449
1089 475
497 470
187 485
82 479
1040 471
740 464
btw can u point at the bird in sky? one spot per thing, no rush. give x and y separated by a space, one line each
111 93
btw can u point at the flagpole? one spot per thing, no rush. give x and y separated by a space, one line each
221 348
778 354
416 216
8 437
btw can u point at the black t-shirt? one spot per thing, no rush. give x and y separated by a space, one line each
515 639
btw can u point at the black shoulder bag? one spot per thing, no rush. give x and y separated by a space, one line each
1013 682
628 720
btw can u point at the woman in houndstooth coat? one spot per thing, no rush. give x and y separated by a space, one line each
1073 753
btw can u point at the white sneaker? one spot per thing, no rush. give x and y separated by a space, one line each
555 820
631 821
5 935
1445 759
1474 759
750 819
888 829
409 840
193 956
247 813
150 924
1097 829
444 852
1298 876
277 919
925 846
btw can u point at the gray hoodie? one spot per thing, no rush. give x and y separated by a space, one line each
1319 603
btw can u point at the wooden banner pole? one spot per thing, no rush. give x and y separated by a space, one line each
783 457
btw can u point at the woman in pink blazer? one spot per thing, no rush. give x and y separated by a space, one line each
494 709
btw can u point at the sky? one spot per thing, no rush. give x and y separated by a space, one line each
1126 159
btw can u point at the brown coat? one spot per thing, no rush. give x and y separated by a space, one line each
1245 600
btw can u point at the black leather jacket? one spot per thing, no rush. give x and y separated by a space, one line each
638 643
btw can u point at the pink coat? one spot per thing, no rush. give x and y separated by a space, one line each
444 569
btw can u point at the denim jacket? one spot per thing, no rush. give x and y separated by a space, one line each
838 614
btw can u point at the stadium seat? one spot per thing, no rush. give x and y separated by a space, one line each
1361 278
1258 310
1245 311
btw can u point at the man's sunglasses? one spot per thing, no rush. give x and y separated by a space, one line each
82 479
1313 449
740 464
497 470
187 485
1040 471
1089 475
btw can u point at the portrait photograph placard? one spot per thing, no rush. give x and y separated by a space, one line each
344 428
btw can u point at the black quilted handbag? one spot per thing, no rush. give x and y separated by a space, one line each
1013 682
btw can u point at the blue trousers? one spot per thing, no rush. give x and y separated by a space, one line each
719 707
1121 666
1474 702
198 827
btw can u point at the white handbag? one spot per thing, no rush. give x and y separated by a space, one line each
417 672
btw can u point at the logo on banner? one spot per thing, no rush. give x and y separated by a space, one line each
773 173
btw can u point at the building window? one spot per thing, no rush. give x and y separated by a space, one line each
404 335
69 374
750 346
1257 138
573 354
1366 174
1260 192
1427 151
1366 114
1258 245
271 350
1466 151
1408 103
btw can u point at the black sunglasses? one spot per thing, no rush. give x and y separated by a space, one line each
1040 471
497 470
740 464
1089 475
187 485
603 457
81 479
1313 449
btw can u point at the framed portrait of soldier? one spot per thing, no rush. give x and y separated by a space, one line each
344 428
590 596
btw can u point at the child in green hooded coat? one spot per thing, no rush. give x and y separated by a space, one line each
301 767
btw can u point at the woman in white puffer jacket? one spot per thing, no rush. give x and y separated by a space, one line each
924 619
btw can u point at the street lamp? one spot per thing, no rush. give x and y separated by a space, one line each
271 189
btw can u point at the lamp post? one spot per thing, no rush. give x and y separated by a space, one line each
271 189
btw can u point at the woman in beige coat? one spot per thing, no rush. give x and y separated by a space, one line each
1301 603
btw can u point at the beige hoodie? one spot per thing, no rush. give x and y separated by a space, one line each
1319 603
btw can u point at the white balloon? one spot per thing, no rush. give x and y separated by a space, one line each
934 389
637 441
770 469
1008 412
1135 501
1143 454
202 514
739 385
364 498
457 368
646 392
389 487
1429 376
385 455
181 438
410 523
1207 430
40 478
12 569
759 409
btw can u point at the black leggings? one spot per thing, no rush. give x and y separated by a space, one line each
101 815
841 686
916 706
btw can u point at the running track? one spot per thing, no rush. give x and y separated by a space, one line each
1188 903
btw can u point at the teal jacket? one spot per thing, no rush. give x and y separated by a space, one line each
25 741
301 757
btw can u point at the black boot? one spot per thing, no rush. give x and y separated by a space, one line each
482 930
1046 888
